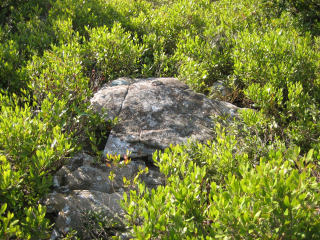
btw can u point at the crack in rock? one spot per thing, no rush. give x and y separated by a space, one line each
124 99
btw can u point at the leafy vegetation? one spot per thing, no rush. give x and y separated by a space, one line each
258 179
213 191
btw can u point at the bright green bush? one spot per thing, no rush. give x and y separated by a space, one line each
277 57
203 61
155 61
213 192
10 186
114 52
63 31
96 13
254 207
11 76
169 20
161 29
16 220
204 53
83 13
8 228
266 51
256 134
44 145
59 73
307 13
278 71
31 147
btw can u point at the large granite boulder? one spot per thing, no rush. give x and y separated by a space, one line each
154 113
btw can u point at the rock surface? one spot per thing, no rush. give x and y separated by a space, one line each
82 185
154 113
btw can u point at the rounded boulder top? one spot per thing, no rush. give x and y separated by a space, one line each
156 112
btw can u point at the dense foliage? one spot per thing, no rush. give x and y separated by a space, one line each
213 191
256 180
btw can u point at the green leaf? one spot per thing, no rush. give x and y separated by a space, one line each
3 208
286 201
257 215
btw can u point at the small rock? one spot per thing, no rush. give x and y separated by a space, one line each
120 81
83 185
219 90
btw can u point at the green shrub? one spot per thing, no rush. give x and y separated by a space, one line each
33 35
24 31
277 56
170 20
63 30
307 13
26 23
155 61
203 61
12 11
256 133
204 52
253 207
213 192
10 186
16 220
113 52
96 13
31 142
278 71
11 75
31 147
160 29
8 228
59 73
266 51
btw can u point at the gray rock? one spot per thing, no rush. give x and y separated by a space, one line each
120 81
86 177
83 185
72 209
72 164
156 112
219 90
153 113
111 101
